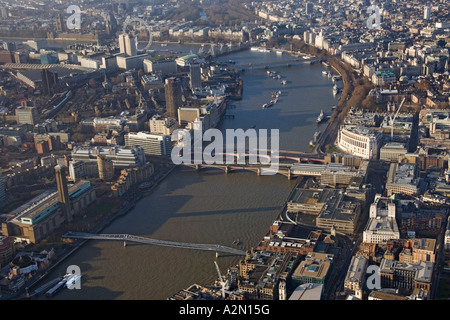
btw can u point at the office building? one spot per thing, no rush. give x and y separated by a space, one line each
45 143
356 276
385 294
314 269
131 62
79 170
120 157
419 249
122 46
2 192
309 7
49 58
339 214
195 76
152 144
165 126
359 141
382 225
406 276
427 13
4 13
173 95
27 115
307 291
402 179
128 44
447 237
262 272
7 250
162 67
310 201
49 81
111 23
392 151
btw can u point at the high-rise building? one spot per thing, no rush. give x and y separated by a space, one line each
195 76
122 43
173 93
309 8
63 191
49 81
427 13
2 192
111 23
128 44
131 45
4 13
59 23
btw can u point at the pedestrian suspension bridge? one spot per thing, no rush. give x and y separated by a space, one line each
131 238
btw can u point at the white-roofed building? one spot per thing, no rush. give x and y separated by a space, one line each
360 141
307 291
382 225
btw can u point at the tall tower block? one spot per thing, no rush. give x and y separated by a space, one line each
63 191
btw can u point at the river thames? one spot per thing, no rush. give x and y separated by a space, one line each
208 206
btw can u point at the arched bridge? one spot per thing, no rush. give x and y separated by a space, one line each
131 238
258 169
262 66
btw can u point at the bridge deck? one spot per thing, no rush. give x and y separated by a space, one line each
132 238
285 64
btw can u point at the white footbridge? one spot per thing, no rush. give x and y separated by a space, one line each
131 238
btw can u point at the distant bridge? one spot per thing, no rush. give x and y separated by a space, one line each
261 66
292 169
283 155
131 238
259 169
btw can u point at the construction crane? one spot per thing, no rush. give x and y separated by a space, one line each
222 282
395 116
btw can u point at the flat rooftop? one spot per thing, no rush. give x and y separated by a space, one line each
46 203
307 291
313 196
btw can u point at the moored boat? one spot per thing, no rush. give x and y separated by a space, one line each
315 138
268 105
321 117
